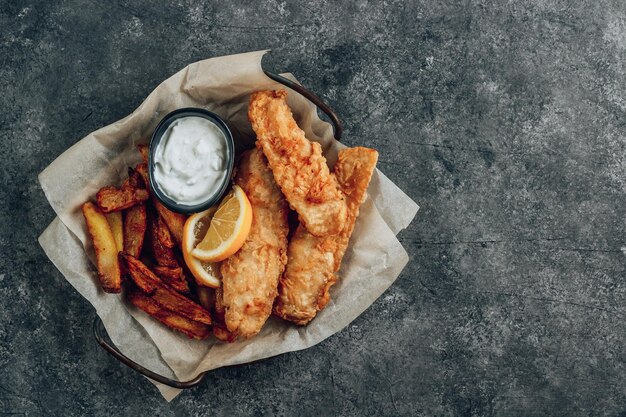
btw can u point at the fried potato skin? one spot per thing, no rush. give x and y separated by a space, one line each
142 170
163 255
175 221
105 247
163 233
180 304
134 180
173 277
141 275
113 199
191 328
121 224
162 293
135 224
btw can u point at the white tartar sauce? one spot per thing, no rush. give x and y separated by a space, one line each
190 160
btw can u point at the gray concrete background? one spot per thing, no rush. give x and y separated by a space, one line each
505 120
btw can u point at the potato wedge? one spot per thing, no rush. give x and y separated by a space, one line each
141 275
142 169
117 227
168 272
175 221
134 180
191 328
135 224
163 233
144 150
180 304
162 293
114 199
173 277
105 248
163 255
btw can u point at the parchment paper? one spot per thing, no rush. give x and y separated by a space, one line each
373 261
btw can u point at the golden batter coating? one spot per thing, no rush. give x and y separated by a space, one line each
313 261
250 277
298 165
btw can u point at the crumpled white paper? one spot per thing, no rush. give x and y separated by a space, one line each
373 261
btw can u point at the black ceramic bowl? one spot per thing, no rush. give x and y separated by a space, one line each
230 155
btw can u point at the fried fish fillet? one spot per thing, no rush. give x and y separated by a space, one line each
250 276
298 165
313 261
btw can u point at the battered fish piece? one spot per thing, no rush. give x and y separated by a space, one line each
250 277
298 165
313 261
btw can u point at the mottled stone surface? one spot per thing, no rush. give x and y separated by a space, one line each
505 120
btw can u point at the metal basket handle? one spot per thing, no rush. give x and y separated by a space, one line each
101 337
98 328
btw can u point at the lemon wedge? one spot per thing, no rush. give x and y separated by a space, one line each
207 274
227 229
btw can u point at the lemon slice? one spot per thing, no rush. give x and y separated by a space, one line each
207 274
227 230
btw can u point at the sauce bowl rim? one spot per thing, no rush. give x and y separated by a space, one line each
157 135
